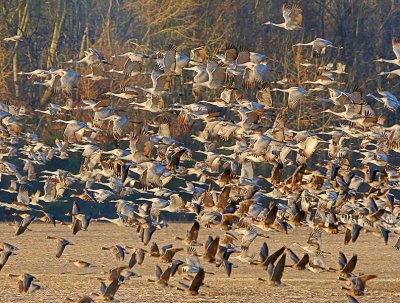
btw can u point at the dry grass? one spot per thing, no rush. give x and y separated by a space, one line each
62 279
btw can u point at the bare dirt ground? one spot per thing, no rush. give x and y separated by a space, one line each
62 279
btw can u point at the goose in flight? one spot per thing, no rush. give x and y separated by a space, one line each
65 82
23 225
81 263
216 76
133 65
296 94
92 56
293 16
117 250
319 46
396 51
314 242
299 264
120 124
193 288
356 284
388 99
160 80
13 38
5 255
52 110
162 276
80 299
276 272
25 282
39 73
61 244
7 246
391 74
74 130
347 266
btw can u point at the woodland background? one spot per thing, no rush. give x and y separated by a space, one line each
55 31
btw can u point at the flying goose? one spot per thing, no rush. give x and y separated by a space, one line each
319 46
299 264
396 50
293 18
61 244
296 94
25 282
5 255
193 288
347 267
357 284
117 250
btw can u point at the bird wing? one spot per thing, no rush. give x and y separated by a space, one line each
193 261
294 98
296 15
133 260
175 159
60 248
23 195
219 75
351 299
148 232
396 47
68 82
50 188
264 252
212 248
310 146
193 233
264 96
397 245
315 237
197 281
304 260
243 57
156 73
293 256
170 59
132 67
273 257
231 53
162 83
166 274
154 249
199 54
342 260
210 68
286 11
292 15
278 269
351 265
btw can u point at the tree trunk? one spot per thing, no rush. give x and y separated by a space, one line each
56 33
108 25
84 40
23 20
85 37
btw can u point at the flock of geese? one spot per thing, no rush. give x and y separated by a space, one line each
339 180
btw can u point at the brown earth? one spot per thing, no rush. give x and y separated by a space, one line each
62 279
